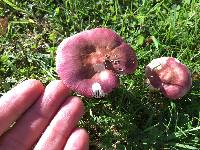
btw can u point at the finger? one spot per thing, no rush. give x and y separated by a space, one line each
32 124
62 125
17 100
78 140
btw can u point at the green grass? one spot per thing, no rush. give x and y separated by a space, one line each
131 117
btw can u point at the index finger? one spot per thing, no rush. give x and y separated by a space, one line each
17 101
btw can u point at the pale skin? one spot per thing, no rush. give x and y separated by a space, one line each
35 117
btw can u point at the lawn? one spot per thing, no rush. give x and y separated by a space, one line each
131 117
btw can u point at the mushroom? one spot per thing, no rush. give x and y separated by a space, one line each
89 62
170 76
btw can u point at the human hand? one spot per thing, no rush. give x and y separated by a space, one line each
45 118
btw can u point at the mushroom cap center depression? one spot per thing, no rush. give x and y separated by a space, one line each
96 60
100 60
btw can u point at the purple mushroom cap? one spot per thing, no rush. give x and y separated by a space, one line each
90 61
170 76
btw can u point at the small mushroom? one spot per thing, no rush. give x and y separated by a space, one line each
90 61
170 76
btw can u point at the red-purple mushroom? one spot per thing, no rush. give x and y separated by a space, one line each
90 61
170 76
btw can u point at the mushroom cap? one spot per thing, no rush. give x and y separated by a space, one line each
84 58
170 76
